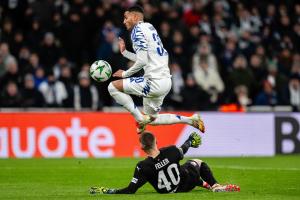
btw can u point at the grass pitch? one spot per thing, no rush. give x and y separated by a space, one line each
259 178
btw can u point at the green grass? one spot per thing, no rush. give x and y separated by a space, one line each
259 178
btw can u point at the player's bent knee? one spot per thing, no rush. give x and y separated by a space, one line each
118 84
198 161
111 88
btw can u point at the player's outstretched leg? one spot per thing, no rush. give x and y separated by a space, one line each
194 120
207 175
126 101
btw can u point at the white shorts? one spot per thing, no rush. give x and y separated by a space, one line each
153 91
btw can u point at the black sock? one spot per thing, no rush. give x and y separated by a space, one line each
206 174
200 182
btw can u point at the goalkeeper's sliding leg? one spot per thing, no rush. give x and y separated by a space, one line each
198 168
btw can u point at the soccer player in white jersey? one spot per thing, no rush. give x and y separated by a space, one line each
151 56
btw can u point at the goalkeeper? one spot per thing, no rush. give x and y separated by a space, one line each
162 170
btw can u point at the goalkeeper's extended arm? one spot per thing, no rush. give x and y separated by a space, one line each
194 141
137 181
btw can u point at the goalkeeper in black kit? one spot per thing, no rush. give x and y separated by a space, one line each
162 170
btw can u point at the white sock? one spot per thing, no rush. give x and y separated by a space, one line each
171 119
126 101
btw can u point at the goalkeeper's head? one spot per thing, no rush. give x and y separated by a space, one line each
148 142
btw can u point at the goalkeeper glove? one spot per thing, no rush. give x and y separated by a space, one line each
102 190
195 140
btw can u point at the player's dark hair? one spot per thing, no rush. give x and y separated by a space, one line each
147 140
136 8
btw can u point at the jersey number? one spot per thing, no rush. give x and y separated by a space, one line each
163 182
160 49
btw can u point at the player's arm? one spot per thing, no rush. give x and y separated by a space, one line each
127 54
137 181
193 141
141 48
141 61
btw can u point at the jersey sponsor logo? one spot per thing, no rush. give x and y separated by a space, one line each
162 163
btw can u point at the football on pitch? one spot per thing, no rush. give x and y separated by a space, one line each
100 71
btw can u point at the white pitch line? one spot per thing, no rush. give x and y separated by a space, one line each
255 168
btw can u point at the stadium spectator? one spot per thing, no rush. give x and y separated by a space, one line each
23 58
291 94
108 42
12 73
174 98
54 91
39 77
259 70
227 56
241 74
267 97
165 32
192 16
33 64
74 36
18 42
277 80
242 96
35 35
206 74
7 33
4 57
31 97
49 52
66 78
10 97
200 100
86 90
177 50
61 63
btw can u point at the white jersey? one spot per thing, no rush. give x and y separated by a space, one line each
145 37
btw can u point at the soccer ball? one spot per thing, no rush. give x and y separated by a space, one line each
100 70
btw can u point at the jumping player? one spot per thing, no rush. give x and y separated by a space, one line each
162 170
151 56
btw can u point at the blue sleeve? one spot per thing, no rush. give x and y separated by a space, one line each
138 39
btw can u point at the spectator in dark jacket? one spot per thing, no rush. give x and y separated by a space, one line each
85 94
31 97
268 97
10 97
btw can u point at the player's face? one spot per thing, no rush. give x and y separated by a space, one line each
129 20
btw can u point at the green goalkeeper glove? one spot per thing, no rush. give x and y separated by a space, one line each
102 190
195 140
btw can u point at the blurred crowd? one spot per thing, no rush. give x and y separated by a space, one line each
222 52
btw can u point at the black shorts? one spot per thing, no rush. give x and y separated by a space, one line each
190 176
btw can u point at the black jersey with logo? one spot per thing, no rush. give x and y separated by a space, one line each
162 172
